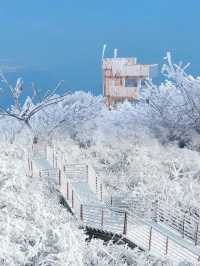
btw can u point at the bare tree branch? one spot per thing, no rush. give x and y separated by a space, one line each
28 110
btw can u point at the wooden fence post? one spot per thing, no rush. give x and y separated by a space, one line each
101 192
87 173
125 223
59 177
67 191
72 199
167 245
196 234
29 164
31 168
56 161
96 183
111 200
150 237
53 158
155 218
45 152
102 217
81 212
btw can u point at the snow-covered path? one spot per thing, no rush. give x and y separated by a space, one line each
93 213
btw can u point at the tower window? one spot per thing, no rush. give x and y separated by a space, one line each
129 82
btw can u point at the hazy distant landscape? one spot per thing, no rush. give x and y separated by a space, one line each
48 79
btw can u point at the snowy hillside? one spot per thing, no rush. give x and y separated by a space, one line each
149 150
37 230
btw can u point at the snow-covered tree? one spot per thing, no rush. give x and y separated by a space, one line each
24 112
174 105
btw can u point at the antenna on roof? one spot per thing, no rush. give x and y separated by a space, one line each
115 53
103 51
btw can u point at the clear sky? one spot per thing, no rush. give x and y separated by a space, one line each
62 39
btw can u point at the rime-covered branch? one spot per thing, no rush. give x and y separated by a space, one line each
25 112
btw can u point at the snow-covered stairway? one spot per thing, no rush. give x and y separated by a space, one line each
147 235
82 196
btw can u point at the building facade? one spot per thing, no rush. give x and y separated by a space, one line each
122 79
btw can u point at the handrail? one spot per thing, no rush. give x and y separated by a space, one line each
130 218
74 190
102 215
97 186
49 169
169 237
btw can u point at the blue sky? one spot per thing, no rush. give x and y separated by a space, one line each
48 40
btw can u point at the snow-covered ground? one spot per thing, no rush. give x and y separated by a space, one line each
37 230
148 150
158 238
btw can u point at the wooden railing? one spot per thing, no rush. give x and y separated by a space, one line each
185 224
52 173
95 183
77 172
181 221
142 232
94 216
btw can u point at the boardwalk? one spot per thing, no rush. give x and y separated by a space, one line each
84 196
